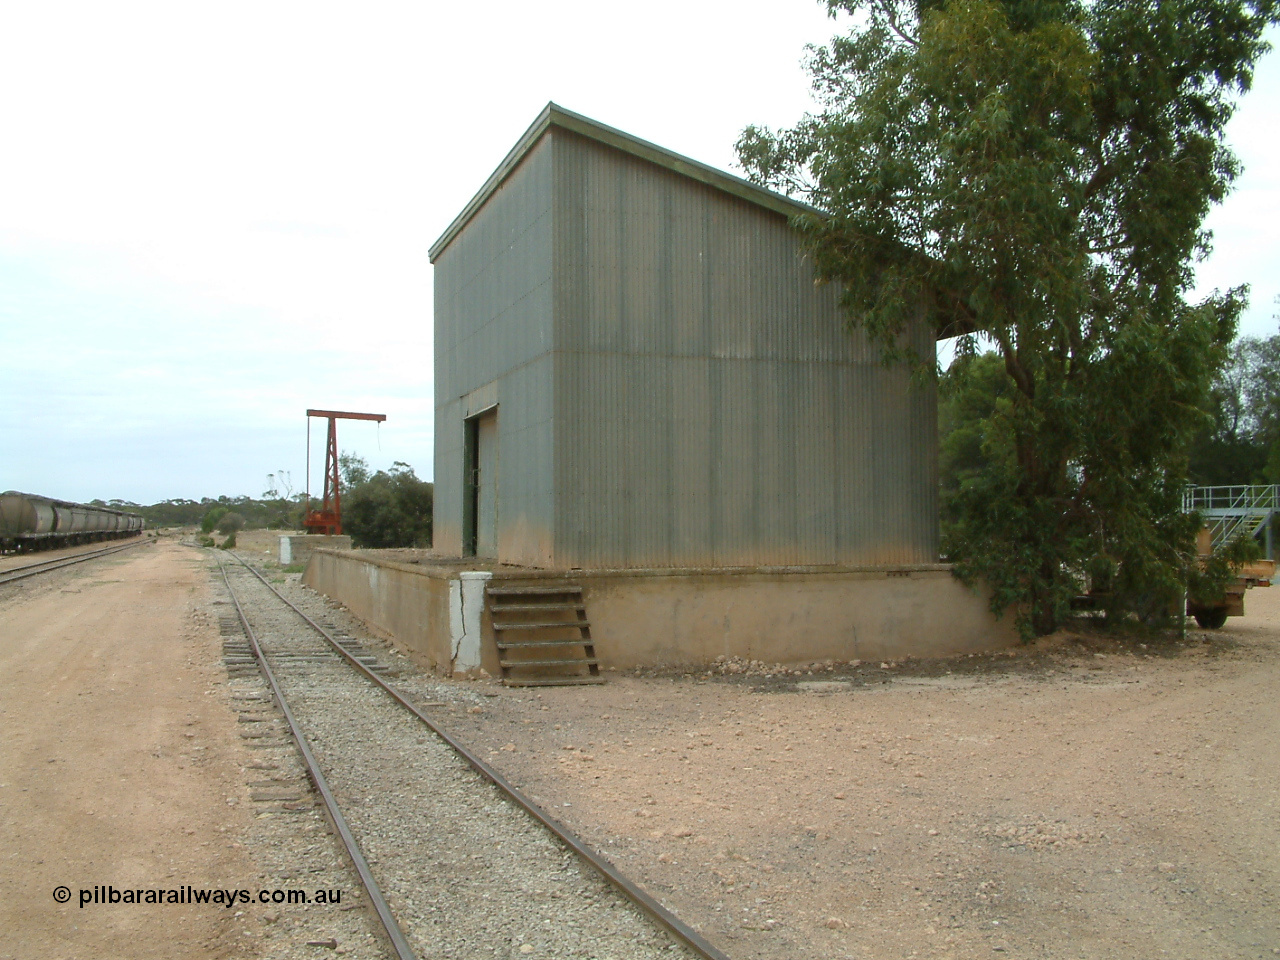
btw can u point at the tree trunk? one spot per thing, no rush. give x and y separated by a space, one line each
1044 612
1042 480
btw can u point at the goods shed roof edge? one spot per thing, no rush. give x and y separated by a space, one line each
557 116
951 315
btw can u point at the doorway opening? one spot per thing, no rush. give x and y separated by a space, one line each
480 486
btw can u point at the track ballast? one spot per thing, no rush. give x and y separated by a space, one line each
47 566
467 864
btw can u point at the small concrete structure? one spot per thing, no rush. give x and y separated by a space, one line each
296 548
466 621
675 616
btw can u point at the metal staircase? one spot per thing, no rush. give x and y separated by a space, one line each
1231 511
543 635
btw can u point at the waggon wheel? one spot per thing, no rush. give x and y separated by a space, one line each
1212 618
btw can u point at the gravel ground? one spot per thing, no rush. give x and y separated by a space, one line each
467 872
14 561
1091 796
120 765
1096 799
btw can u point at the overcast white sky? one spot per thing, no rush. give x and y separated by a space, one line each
213 217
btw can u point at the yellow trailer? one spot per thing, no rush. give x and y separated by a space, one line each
1259 573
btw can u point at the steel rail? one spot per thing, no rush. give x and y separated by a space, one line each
46 566
398 940
636 894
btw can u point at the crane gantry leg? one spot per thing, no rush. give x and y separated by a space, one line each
328 519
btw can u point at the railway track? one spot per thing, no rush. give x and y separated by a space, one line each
466 864
46 566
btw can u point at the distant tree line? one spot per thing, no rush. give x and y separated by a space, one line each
1240 443
257 513
386 508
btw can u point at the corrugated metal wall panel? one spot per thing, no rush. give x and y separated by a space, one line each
711 407
446 523
672 388
493 340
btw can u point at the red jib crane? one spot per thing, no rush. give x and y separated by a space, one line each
328 519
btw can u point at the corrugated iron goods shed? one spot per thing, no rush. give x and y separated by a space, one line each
635 369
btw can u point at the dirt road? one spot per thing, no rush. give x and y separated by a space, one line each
119 759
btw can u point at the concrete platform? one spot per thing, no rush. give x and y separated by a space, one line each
296 548
435 608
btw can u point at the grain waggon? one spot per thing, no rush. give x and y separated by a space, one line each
30 523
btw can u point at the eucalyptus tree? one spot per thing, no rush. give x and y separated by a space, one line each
389 509
1036 173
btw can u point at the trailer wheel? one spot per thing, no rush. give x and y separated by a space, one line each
1211 619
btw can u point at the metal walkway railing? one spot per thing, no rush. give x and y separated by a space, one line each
1231 511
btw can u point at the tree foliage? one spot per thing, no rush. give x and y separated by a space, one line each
1036 173
1241 442
1207 583
976 450
230 523
974 398
282 507
275 513
389 509
352 469
212 517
